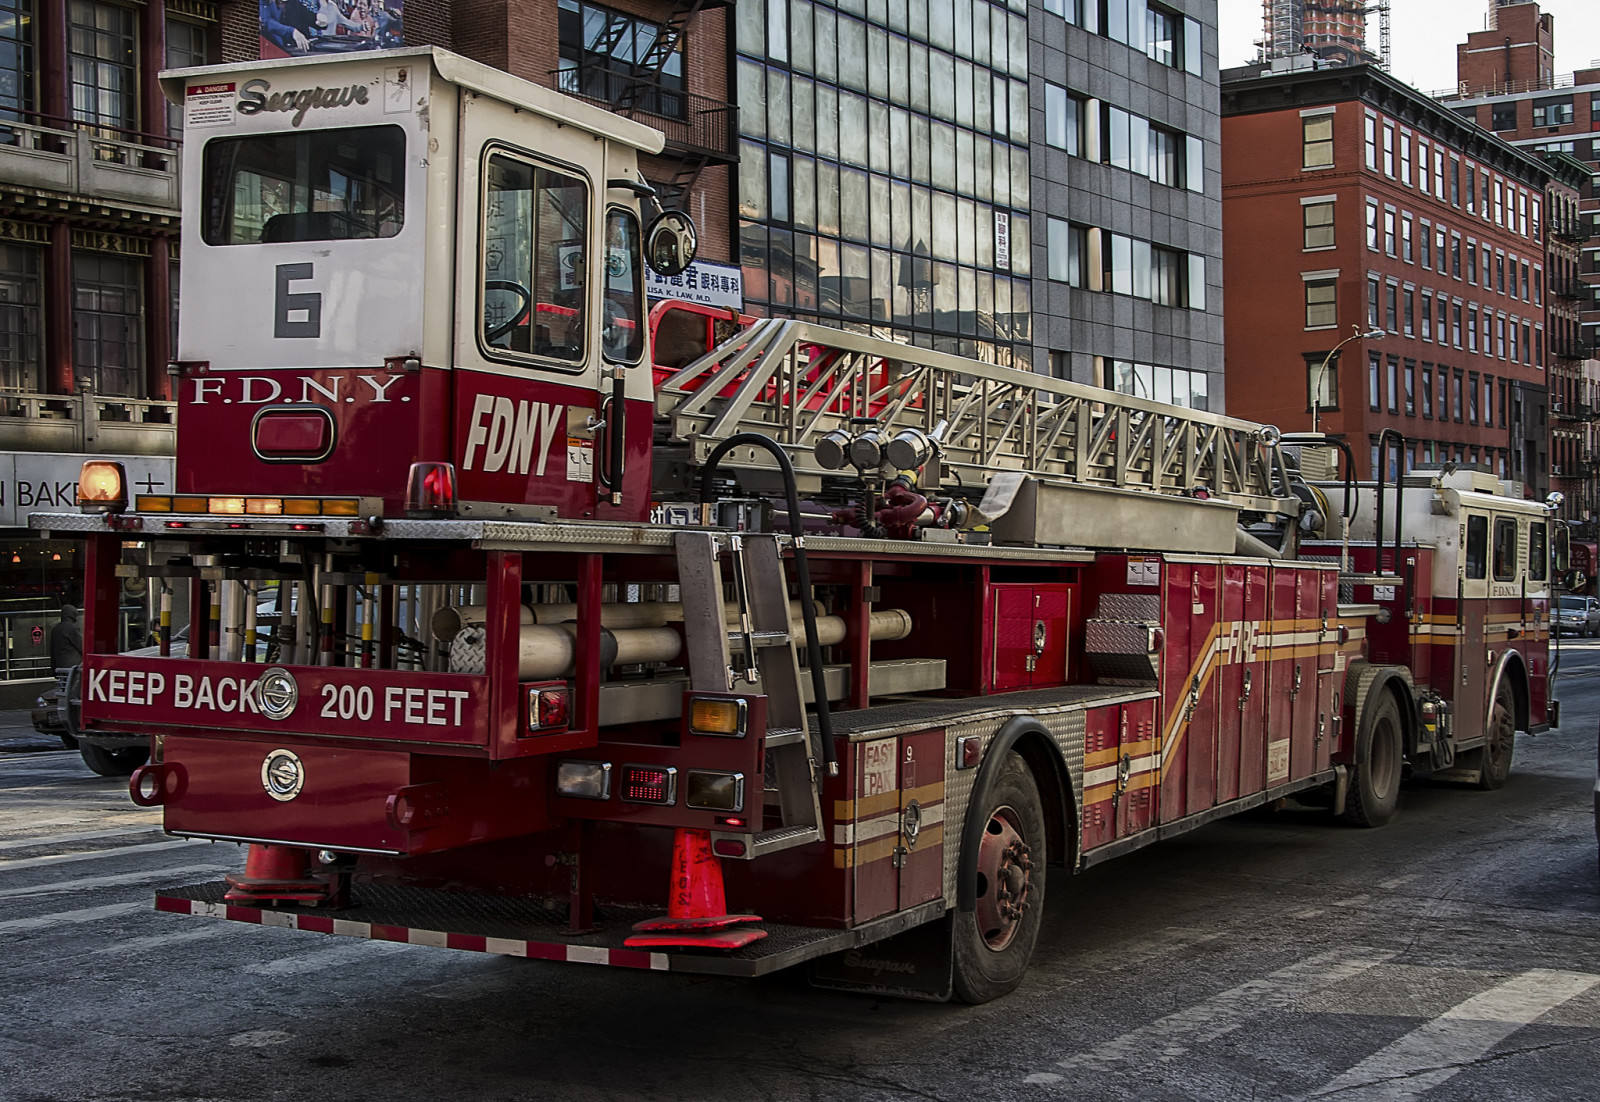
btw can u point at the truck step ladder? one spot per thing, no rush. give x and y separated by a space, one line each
760 647
795 382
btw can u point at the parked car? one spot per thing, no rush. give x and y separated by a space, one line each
48 717
1577 616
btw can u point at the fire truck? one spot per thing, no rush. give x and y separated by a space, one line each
481 629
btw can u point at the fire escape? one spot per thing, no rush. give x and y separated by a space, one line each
700 131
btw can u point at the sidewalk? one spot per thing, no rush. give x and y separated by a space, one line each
17 735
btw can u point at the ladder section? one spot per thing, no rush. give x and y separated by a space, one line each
756 649
796 382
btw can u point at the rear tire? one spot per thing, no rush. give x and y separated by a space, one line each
113 763
994 942
1375 777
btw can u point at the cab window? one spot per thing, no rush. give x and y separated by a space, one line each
1477 546
1538 552
622 338
1505 549
534 260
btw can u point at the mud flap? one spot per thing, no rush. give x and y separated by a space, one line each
918 964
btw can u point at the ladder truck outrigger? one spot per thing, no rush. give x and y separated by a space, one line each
815 649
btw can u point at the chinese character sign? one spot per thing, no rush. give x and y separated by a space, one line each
702 282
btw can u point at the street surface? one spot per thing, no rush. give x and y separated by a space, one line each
1452 955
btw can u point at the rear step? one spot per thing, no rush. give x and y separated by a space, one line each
526 928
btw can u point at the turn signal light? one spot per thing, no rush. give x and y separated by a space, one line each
431 489
649 784
726 717
102 487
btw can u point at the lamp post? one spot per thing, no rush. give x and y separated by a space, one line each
1357 333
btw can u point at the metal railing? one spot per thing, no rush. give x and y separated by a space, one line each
1575 230
690 121
82 158
1506 87
86 421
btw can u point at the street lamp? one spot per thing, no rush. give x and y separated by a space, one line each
1356 334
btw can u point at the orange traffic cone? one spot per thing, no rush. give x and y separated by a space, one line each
275 873
697 908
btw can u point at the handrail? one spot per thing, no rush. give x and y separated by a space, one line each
1399 489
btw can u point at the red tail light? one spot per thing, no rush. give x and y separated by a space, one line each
649 784
431 489
547 706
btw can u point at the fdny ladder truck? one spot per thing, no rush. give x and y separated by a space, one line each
477 633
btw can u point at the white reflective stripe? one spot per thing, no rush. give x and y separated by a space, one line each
933 813
437 938
588 954
844 834
208 910
659 963
346 928
505 946
1103 775
282 919
880 827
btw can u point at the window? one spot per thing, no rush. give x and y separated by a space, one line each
186 46
1405 239
103 69
1427 392
1455 395
622 334
1552 112
20 318
1063 119
1391 297
1455 255
1425 235
1503 116
1173 385
1388 151
598 48
1455 324
1164 36
1317 141
1472 328
1322 383
107 317
1167 155
1394 385
1411 388
1538 548
1505 549
1500 272
1423 149
1169 277
1318 225
1409 311
1472 261
1372 225
1444 400
1371 142
1427 315
1373 307
1488 399
1442 304
532 214
1438 174
1472 399
316 185
1373 399
1455 182
1500 337
1125 141
1405 158
1440 248
1321 307
1067 247
1388 231
16 58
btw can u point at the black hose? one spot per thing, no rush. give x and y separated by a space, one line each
808 611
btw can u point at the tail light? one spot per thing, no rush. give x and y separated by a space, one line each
547 706
649 784
102 487
431 489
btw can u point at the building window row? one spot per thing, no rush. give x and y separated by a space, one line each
1392 149
1122 139
1099 260
1450 322
1161 34
1436 392
1397 234
1175 386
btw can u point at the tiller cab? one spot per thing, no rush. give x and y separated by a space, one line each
480 629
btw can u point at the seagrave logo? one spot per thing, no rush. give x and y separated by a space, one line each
283 775
278 693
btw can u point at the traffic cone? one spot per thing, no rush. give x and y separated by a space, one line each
276 873
697 908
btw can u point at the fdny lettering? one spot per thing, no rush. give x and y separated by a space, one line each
259 390
257 96
511 435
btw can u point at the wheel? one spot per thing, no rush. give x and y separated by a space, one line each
1501 733
1375 778
994 943
113 763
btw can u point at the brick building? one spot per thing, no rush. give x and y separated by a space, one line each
1351 202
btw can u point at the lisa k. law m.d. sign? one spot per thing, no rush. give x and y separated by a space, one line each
35 482
701 282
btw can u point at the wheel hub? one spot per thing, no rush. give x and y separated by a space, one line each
1005 879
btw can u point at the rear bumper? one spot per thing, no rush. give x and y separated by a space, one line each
527 928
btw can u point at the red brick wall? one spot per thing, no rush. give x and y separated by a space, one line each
1484 63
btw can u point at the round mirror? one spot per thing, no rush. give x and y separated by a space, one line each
671 242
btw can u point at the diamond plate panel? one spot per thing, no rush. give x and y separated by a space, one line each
1129 606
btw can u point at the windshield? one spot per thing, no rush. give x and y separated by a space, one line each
1579 603
317 185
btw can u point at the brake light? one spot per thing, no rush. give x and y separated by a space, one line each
649 784
547 706
102 487
431 489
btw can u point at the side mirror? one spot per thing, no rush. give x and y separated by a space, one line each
670 242
1561 550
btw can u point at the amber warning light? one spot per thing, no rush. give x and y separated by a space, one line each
102 487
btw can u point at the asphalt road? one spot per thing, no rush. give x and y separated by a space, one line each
1452 955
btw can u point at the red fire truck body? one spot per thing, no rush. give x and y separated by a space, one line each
499 641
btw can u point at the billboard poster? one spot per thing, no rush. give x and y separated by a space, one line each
298 28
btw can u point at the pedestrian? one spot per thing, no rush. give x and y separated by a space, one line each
66 640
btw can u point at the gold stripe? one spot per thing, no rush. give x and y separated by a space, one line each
881 849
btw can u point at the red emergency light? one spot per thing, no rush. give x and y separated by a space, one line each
431 489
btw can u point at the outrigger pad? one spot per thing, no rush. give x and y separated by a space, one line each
687 925
727 939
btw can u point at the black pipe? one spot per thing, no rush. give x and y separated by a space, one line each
808 611
1352 497
1378 478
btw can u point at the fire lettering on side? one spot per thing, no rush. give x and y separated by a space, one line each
511 435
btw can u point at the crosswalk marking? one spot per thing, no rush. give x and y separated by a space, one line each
1171 1036
92 855
55 887
1438 1050
61 918
349 952
85 836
